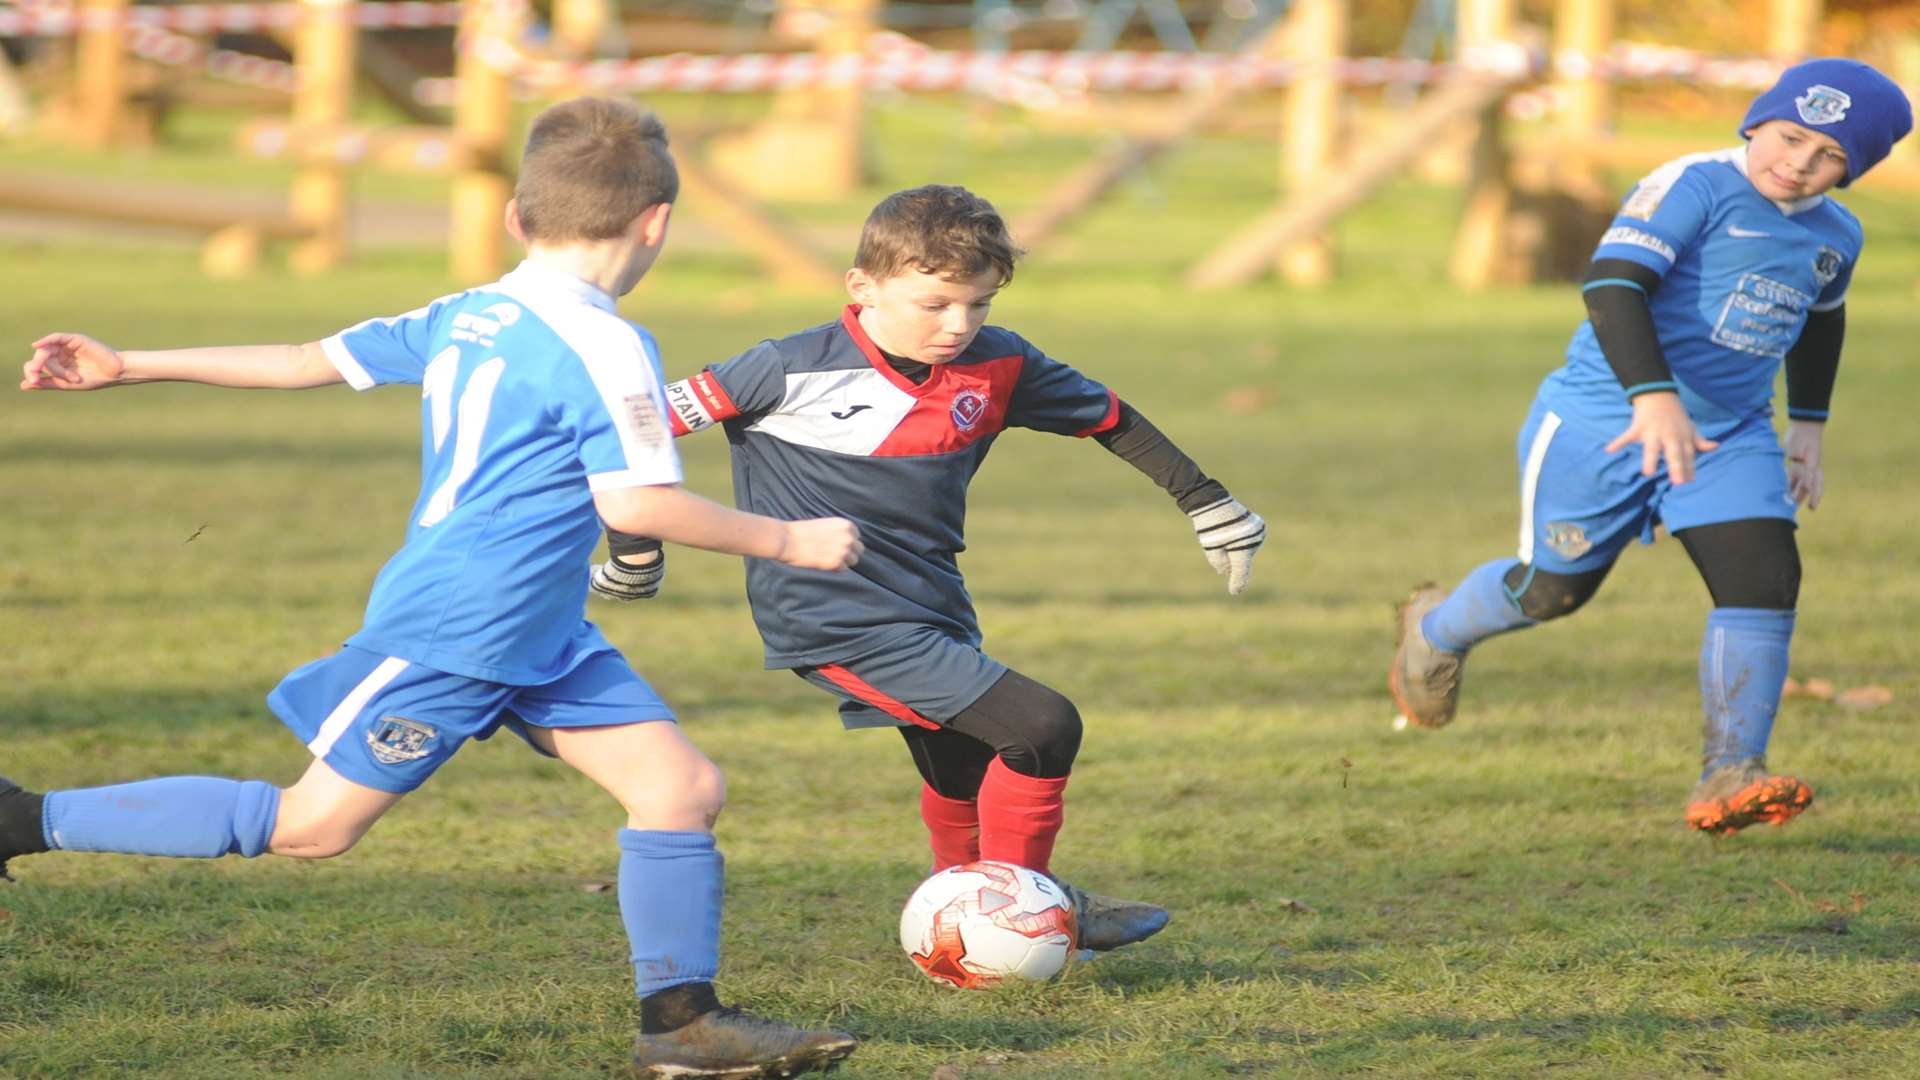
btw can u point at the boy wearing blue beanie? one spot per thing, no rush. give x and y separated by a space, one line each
1719 268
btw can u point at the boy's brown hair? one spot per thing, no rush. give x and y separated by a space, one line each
936 229
591 166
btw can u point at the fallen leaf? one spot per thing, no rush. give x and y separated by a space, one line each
1288 903
1820 689
1863 697
1242 400
596 886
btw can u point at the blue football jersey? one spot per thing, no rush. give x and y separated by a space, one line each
821 425
534 395
1739 273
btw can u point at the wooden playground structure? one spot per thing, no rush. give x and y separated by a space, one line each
1526 205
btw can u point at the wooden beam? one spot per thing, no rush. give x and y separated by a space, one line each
1793 32
1249 254
749 225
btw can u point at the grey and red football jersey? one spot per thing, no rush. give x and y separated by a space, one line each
822 425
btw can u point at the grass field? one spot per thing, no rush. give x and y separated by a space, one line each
1514 896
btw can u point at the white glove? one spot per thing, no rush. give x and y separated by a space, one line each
617 580
1230 535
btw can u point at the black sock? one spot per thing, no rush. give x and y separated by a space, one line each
21 832
676 1007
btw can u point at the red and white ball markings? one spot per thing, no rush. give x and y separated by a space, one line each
976 925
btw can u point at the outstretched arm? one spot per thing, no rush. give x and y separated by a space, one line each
77 362
669 512
1229 533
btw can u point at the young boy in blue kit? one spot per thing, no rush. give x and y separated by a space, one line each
883 415
1719 268
543 414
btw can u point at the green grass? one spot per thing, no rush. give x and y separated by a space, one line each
1512 897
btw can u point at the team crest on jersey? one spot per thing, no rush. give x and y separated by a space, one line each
395 740
967 409
1826 266
1822 104
1569 541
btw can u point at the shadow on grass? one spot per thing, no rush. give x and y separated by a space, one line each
1355 1049
322 449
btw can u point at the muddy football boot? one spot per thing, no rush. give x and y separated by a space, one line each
1425 681
1735 796
733 1045
1104 923
19 824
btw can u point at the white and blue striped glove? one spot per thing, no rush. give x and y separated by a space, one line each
617 579
1230 535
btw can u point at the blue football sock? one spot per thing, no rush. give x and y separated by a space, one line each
1476 610
189 817
670 886
1743 664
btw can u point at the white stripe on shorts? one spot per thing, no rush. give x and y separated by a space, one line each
342 715
1530 481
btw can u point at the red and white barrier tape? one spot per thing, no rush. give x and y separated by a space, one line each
1027 74
65 20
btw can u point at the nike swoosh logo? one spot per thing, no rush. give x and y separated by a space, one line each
851 409
1739 233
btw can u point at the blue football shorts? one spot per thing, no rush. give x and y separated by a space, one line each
925 678
388 724
1580 506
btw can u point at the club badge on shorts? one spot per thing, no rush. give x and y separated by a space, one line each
396 740
1569 541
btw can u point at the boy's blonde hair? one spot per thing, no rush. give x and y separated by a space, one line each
591 166
936 229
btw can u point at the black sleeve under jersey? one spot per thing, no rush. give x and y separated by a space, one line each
1138 443
625 545
1813 362
1616 292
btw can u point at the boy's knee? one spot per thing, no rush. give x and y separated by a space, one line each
1049 739
691 799
315 840
1544 595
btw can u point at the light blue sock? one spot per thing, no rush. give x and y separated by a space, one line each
670 885
1743 664
188 817
1477 609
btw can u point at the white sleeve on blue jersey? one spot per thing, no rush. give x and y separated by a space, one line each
615 406
1054 397
389 350
1663 214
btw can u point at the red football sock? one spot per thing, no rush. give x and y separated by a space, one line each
953 828
1020 816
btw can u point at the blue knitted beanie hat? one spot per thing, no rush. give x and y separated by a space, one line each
1856 106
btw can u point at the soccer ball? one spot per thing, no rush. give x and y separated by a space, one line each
975 925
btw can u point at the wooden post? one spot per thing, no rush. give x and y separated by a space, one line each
482 113
1480 242
1582 32
100 73
1794 33
1316 40
323 51
1906 72
813 143
581 28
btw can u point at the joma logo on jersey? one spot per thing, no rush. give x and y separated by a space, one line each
967 409
396 740
1822 104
